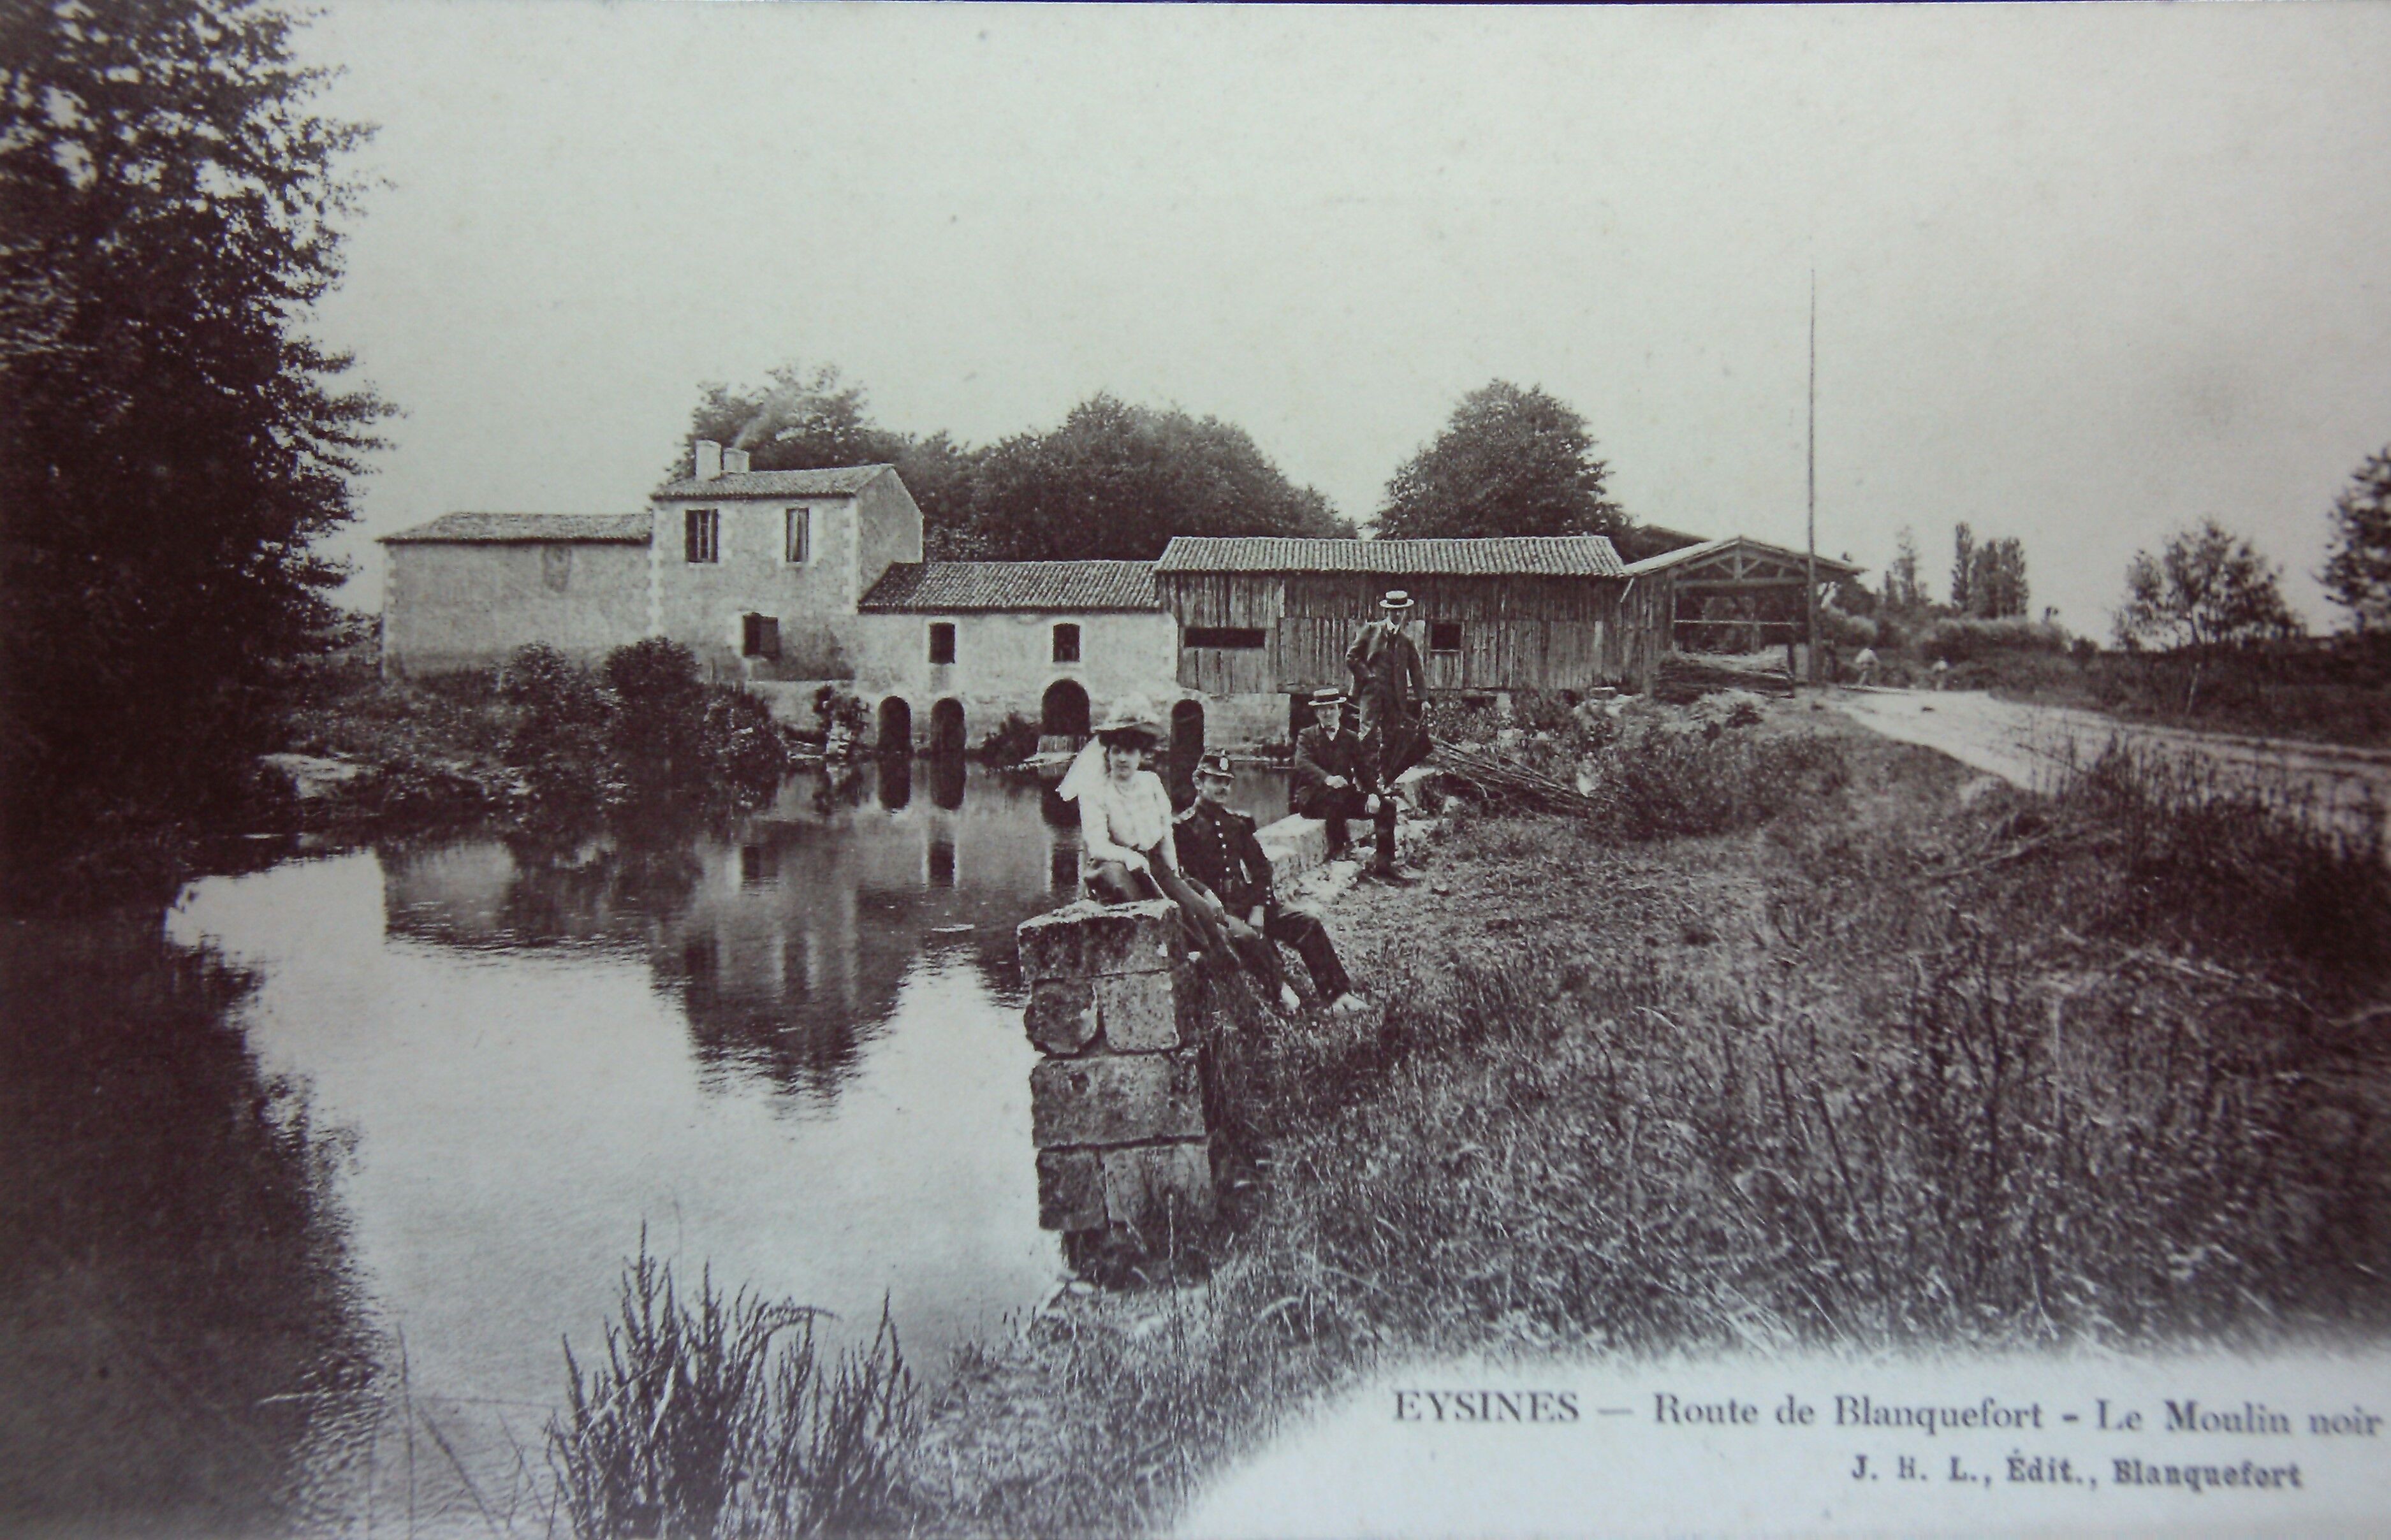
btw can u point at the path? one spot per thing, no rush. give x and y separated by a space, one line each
2344 789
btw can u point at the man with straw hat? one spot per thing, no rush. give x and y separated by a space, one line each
1219 854
1336 778
1391 686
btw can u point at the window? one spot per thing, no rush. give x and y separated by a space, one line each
759 636
1444 636
942 641
1066 643
800 534
704 526
555 568
1225 635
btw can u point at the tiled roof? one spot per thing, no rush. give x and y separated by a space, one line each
630 528
831 482
944 585
1536 556
1827 566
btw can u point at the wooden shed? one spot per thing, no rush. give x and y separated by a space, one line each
1261 615
1737 591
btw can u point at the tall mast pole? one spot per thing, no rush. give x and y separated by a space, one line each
1810 588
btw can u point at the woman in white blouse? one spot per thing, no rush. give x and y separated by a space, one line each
1125 822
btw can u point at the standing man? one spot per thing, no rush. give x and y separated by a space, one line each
1391 687
1217 851
1336 778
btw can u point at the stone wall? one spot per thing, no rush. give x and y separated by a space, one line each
1117 1105
449 605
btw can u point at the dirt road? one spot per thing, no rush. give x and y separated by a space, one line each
2348 789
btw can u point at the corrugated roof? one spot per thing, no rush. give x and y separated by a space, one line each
630 528
1827 566
944 585
1533 556
830 482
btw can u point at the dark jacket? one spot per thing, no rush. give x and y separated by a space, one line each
1319 756
1386 668
1217 847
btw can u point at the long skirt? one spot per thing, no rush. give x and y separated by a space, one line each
1113 882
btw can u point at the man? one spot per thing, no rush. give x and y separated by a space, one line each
1219 854
1391 687
1336 778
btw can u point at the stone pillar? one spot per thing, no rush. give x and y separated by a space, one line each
1116 1105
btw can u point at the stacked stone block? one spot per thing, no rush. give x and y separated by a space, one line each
1117 1105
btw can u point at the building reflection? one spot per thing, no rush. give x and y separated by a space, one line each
787 939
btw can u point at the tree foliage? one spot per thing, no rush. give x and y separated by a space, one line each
2358 574
1904 591
1987 577
1117 480
2206 587
1510 462
172 444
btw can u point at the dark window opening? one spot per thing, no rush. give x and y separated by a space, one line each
760 865
1244 638
759 636
705 530
1444 636
942 641
800 534
1066 643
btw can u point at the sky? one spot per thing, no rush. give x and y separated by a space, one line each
2085 275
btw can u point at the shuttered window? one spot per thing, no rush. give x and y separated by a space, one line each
704 528
759 636
942 641
800 535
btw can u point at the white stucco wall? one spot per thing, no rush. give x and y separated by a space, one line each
459 605
1004 662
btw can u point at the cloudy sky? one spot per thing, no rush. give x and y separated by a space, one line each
2084 274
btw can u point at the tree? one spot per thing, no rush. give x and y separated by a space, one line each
797 420
2206 588
1963 567
2357 575
1117 481
1904 593
1510 462
171 442
1996 585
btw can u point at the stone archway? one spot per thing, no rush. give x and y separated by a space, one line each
947 728
1064 711
896 727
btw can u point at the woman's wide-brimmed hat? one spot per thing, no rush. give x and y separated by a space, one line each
1132 717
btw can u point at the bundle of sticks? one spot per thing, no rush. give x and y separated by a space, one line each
1500 781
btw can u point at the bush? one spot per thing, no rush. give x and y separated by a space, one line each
557 731
659 729
1960 638
745 750
1014 740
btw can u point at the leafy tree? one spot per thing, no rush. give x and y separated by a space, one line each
1996 585
1117 481
1902 591
797 420
2357 575
2206 588
1510 462
172 444
1963 568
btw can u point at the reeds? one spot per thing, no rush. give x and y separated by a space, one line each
711 1418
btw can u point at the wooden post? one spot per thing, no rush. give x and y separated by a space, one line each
1810 587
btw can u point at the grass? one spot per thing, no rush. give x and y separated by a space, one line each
1883 1056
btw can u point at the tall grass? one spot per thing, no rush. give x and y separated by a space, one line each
721 1417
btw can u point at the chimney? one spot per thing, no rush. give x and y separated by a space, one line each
709 460
734 462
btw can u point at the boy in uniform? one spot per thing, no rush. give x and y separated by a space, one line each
1217 851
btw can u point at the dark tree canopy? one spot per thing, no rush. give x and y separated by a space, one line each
1112 480
1511 462
172 444
2358 574
2206 587
1117 481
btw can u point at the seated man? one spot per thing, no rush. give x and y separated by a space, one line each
1217 851
1336 778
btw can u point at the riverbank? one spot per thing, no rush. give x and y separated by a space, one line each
1907 1058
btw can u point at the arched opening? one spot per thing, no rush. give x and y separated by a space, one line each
896 727
897 782
947 728
1186 744
1064 712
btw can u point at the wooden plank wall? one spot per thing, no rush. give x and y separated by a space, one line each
1517 632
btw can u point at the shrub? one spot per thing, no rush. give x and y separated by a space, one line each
1014 740
660 713
557 730
745 750
1960 638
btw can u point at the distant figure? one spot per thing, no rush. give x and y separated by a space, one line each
1219 854
1941 671
1336 778
1125 823
1390 688
1864 667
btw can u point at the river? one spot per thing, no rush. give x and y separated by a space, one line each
312 1178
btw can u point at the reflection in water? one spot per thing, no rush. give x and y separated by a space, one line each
182 1351
947 773
792 1048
